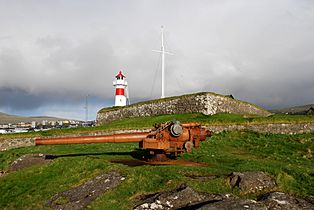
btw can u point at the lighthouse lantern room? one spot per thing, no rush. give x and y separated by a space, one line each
121 85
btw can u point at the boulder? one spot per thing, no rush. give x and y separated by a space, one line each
181 197
234 204
251 182
184 198
79 197
279 200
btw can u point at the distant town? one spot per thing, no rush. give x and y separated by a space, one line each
23 127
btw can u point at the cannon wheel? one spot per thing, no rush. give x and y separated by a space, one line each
188 146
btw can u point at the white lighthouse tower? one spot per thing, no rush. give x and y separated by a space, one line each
121 86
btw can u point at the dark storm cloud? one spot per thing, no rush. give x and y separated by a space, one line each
19 99
259 51
23 100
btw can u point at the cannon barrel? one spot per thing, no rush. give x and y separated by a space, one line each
114 138
169 137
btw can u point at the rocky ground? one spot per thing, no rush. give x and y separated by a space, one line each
185 197
182 197
27 161
79 197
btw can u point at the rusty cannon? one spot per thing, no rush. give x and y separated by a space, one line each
171 137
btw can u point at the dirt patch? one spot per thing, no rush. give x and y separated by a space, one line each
79 197
134 163
131 163
28 160
180 163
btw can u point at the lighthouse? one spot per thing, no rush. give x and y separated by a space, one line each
121 86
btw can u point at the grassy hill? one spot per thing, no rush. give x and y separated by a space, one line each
287 158
294 110
6 118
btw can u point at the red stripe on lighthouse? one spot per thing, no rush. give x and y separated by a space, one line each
119 91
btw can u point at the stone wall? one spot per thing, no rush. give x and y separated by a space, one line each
16 143
206 103
276 128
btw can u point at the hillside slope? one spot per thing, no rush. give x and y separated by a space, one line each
295 110
6 118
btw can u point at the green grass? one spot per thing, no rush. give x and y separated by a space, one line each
148 122
287 158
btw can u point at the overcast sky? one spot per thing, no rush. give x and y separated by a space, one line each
54 53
